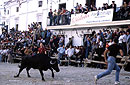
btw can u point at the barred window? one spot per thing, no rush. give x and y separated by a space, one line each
40 4
8 12
17 9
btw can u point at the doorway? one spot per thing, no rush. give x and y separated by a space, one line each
17 27
62 6
90 2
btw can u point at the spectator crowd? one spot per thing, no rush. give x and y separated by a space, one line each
31 42
37 40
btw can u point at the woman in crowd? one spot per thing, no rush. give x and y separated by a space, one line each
42 49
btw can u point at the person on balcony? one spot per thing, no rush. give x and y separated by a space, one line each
50 14
113 5
55 17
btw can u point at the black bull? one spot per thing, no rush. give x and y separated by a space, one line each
40 62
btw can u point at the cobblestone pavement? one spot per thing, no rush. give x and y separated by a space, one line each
68 75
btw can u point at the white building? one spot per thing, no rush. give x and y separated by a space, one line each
20 13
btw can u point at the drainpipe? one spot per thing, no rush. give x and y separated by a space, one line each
73 3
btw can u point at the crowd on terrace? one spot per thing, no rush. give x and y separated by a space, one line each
37 40
63 16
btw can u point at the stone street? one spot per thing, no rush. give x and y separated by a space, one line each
68 75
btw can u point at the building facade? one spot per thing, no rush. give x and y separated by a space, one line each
20 13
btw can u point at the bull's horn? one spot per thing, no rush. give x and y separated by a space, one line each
52 62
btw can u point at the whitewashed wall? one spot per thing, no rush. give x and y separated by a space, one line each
12 22
45 11
22 22
99 3
77 41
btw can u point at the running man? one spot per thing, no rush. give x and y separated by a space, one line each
111 62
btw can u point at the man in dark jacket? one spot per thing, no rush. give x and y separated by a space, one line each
50 14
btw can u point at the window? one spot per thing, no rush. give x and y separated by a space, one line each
17 27
4 10
63 5
8 12
40 4
17 9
